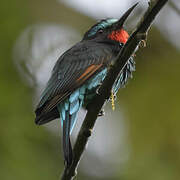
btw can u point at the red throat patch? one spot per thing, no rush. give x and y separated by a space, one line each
119 35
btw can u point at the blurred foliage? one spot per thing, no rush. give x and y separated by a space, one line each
26 151
150 101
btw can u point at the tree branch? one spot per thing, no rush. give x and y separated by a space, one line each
138 37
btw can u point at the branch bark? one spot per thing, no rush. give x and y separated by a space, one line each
138 37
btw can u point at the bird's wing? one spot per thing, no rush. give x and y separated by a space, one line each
71 70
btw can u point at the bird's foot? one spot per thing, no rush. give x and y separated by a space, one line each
97 89
101 113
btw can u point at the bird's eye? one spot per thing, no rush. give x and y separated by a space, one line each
121 44
100 31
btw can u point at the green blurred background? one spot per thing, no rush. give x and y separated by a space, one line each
149 103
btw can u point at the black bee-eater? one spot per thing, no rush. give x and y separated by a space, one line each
79 72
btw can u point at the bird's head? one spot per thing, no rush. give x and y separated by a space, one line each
111 29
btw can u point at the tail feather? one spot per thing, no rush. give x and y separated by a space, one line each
67 148
67 122
68 114
73 121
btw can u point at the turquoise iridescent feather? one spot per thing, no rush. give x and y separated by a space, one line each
76 99
103 24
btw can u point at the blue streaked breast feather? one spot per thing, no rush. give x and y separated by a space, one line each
86 92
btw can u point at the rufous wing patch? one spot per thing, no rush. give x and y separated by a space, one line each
88 72
84 76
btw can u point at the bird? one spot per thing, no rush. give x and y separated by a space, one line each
79 72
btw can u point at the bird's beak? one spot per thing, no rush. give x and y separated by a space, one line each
121 21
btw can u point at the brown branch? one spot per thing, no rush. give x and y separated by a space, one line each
136 38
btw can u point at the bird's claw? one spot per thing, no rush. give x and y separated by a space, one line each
97 89
101 113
